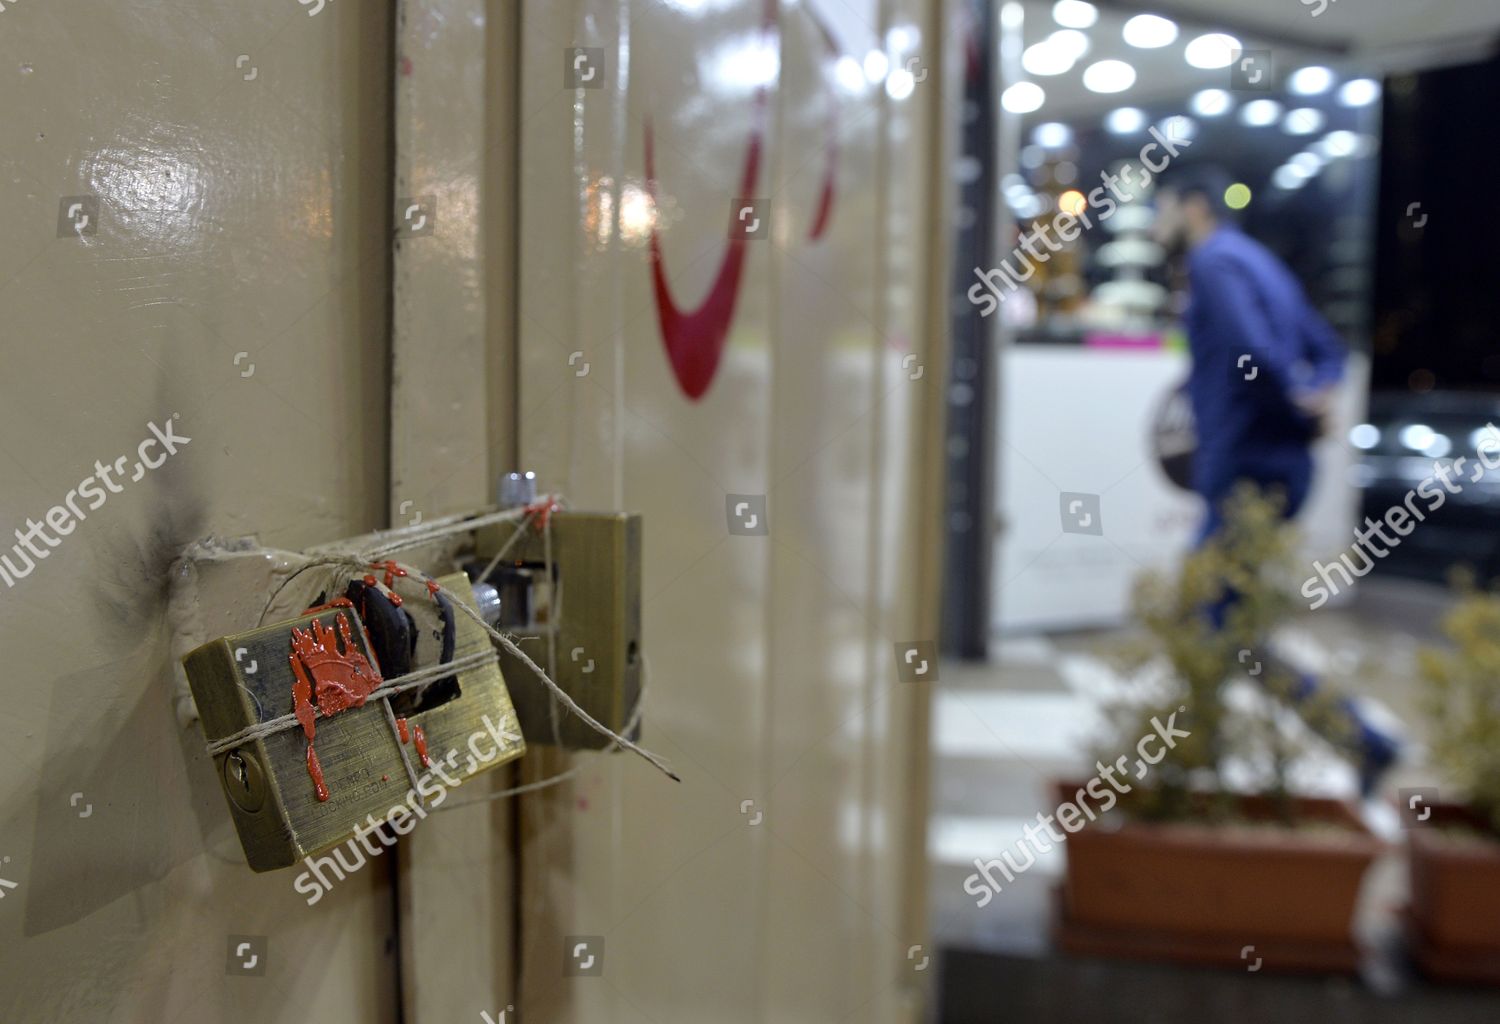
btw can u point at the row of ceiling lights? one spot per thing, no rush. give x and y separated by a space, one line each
1061 50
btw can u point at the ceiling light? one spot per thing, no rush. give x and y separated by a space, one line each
1023 98
1302 121
1310 81
1308 163
1069 41
1288 177
1125 120
1214 50
1418 436
900 84
1108 76
1029 207
1211 102
876 65
1178 128
1237 196
1365 436
902 37
849 75
1149 31
1045 59
1259 113
1360 92
1338 144
1052 135
1074 13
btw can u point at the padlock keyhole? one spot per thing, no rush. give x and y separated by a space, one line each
240 774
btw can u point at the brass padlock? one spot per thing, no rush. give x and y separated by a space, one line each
587 611
353 756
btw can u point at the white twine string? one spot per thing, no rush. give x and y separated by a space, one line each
494 563
551 780
411 773
389 688
417 536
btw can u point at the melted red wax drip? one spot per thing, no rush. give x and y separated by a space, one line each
391 570
337 602
329 675
541 511
401 730
315 770
421 741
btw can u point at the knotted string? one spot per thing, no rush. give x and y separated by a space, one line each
341 556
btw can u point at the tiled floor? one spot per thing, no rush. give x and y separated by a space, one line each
1005 729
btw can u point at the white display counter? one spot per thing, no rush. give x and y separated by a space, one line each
1078 419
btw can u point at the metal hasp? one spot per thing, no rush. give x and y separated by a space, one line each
591 606
247 679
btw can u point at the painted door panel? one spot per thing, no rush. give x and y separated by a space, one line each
231 282
240 275
766 885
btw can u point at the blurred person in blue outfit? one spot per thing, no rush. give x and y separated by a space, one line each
1265 366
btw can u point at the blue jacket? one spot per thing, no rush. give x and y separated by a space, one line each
1256 343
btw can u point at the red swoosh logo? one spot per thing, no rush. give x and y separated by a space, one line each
831 128
695 339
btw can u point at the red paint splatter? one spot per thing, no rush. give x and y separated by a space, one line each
433 586
328 672
369 580
420 738
406 67
401 730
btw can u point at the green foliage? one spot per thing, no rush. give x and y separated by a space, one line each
1181 663
1463 702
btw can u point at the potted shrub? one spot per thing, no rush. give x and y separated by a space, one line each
1210 857
1454 846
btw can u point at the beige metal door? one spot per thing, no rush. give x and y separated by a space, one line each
785 526
194 212
198 221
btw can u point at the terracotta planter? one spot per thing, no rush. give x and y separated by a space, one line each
1204 893
1455 898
